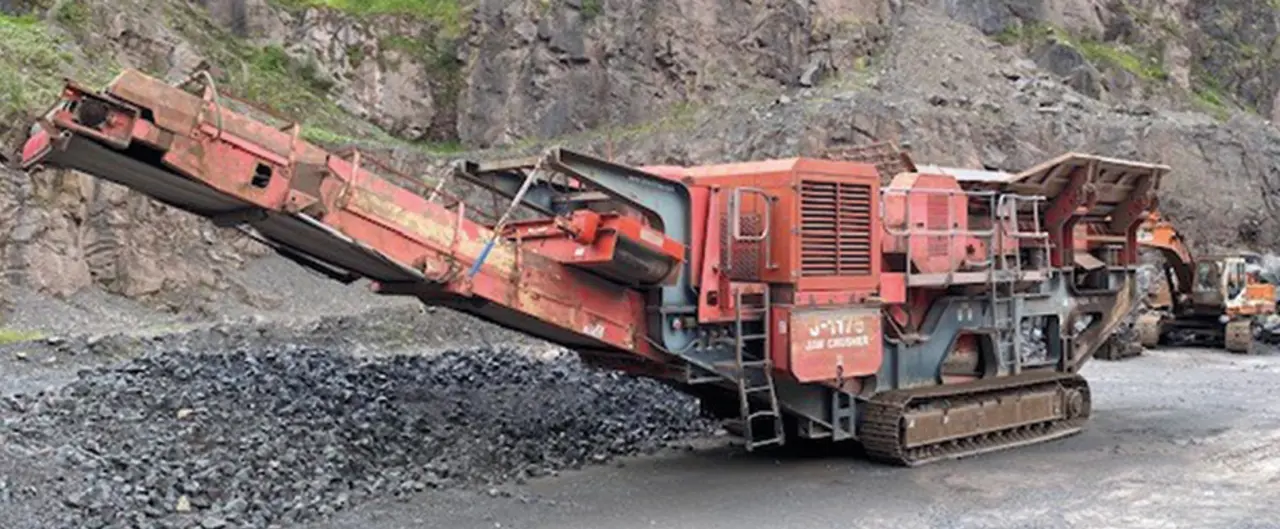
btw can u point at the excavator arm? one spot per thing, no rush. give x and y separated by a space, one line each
1159 234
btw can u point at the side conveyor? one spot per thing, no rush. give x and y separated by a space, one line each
338 214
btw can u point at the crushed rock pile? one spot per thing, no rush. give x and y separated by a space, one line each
289 434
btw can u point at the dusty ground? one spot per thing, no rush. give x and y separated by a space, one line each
1180 438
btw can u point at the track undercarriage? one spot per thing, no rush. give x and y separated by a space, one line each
1241 336
915 427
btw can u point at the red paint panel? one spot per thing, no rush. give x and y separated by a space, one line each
815 345
148 133
227 168
700 198
920 203
245 145
714 294
893 288
825 238
569 251
35 147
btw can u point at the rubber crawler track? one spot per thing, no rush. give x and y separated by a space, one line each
881 429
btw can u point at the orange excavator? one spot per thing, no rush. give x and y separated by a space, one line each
1216 300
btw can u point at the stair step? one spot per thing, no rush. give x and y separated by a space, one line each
731 366
762 414
749 337
756 389
705 380
751 445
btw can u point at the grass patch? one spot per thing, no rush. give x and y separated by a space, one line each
1210 98
294 88
592 8
73 14
449 15
272 60
12 336
1150 69
1098 53
29 65
267 75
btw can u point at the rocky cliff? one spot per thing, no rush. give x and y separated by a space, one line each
993 83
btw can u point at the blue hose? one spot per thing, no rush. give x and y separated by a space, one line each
475 268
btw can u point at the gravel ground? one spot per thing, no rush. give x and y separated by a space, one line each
269 435
1180 438
395 415
282 292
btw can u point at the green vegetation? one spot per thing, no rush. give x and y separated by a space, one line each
296 90
36 59
356 55
1210 97
1150 68
29 65
273 60
592 8
448 15
12 336
1098 53
73 14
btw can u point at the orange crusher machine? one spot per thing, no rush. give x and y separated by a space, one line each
926 314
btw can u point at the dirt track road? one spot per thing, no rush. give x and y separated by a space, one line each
1180 438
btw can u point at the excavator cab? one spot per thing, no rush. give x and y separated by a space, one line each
1234 278
1218 282
1207 280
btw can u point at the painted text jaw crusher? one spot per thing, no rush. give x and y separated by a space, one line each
928 314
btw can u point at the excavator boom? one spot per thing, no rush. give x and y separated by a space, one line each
1159 234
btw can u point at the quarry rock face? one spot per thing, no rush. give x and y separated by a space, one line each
992 83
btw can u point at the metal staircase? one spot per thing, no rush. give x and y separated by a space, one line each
1005 317
1006 306
755 374
740 357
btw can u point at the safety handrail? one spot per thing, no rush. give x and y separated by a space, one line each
735 223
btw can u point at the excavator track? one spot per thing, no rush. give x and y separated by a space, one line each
1238 337
916 427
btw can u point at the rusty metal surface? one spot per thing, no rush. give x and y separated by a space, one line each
905 427
830 344
746 261
937 425
1239 337
366 223
1114 181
